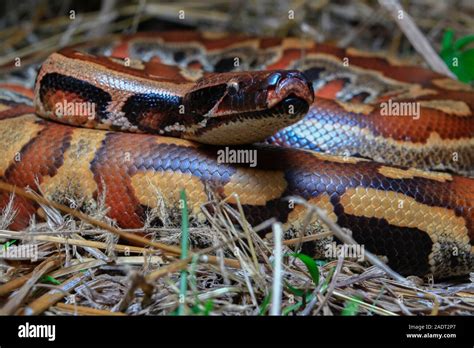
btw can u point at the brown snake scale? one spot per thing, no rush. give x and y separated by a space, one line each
287 92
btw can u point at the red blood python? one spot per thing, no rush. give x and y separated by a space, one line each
423 222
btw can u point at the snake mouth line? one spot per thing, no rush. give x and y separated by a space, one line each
252 126
292 107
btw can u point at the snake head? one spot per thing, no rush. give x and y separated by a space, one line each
246 107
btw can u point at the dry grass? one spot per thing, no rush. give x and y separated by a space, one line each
114 278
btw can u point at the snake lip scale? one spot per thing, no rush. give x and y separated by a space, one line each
159 123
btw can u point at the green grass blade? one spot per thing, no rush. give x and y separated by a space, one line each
328 280
291 308
265 304
447 41
310 265
295 291
184 252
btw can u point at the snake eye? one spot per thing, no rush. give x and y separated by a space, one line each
233 87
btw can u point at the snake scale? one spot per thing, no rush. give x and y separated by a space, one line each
182 97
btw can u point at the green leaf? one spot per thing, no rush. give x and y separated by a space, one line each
203 309
8 244
457 56
196 309
49 279
464 41
351 307
208 307
310 265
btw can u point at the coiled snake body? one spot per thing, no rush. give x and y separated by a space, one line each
343 103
